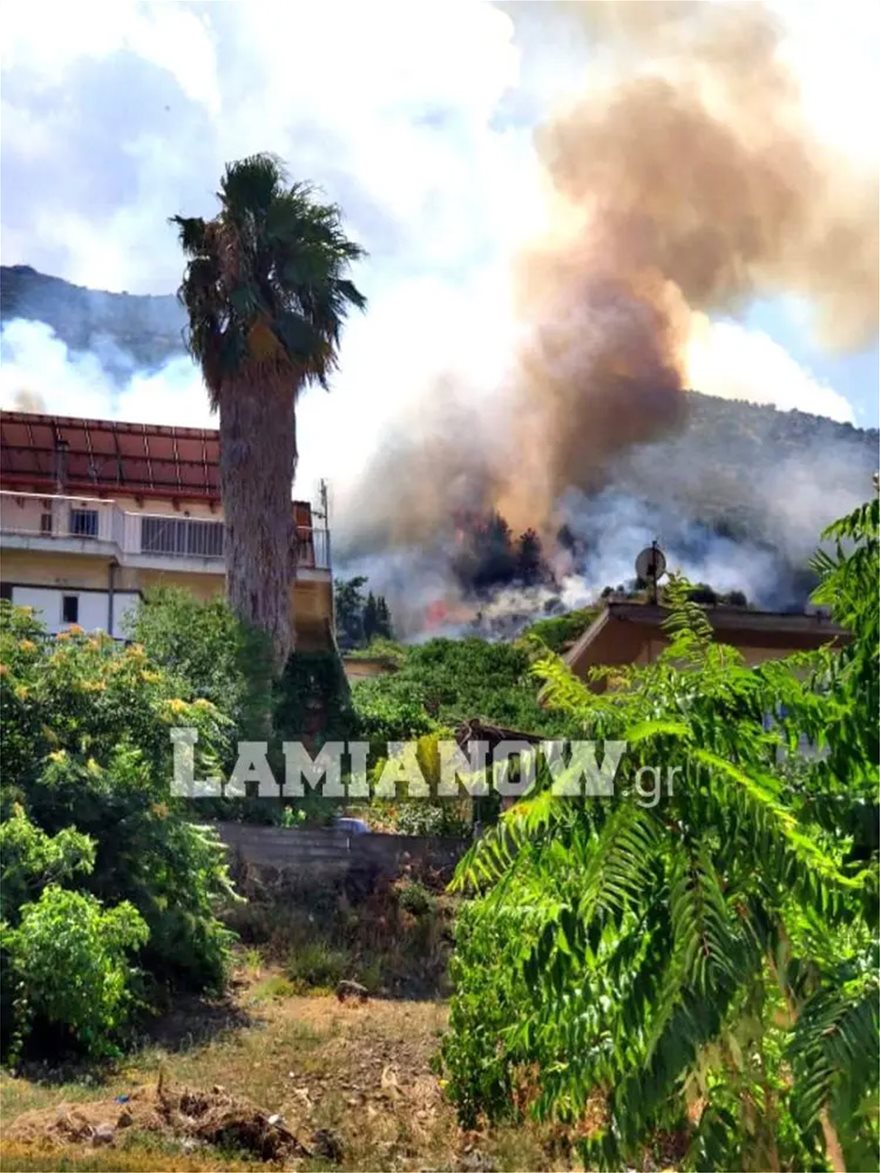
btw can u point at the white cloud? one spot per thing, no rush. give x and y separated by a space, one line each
39 373
733 362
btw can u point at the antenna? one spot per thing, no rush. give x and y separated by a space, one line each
651 566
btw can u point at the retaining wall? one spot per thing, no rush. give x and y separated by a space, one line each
336 853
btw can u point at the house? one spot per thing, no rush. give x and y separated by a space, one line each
94 513
361 667
632 633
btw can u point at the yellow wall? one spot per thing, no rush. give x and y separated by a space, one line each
40 568
311 601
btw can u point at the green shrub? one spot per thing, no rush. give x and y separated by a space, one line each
68 957
86 803
208 652
444 681
274 986
558 631
316 965
446 817
415 898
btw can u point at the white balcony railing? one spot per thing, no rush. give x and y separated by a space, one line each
87 521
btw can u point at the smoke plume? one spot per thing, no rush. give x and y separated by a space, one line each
691 191
684 182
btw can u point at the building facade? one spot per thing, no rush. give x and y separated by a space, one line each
95 513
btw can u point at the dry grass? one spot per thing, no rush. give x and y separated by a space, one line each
362 1073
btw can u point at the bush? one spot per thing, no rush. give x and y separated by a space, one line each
446 818
315 965
208 652
559 631
86 803
70 936
415 898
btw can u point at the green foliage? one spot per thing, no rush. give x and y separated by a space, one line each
445 681
360 619
86 801
208 652
313 698
704 965
488 555
32 860
69 959
387 709
444 818
559 631
415 898
480 1056
266 286
315 965
393 654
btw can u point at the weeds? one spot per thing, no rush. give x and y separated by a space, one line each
276 986
394 939
317 966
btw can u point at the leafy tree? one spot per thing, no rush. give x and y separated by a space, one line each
208 652
487 556
384 628
359 620
530 567
447 681
87 808
70 935
698 963
266 292
349 603
371 618
558 631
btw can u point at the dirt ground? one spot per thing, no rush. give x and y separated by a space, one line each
265 1080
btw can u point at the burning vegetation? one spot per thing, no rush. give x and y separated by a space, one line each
685 182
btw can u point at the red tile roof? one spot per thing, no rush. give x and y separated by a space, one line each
96 456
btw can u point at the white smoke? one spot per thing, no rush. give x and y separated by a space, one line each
37 368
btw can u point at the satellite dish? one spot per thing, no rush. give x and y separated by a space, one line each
651 564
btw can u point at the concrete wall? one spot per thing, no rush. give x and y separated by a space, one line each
328 854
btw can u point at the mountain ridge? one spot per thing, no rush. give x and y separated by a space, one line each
150 326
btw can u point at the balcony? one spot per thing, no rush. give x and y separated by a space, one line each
89 525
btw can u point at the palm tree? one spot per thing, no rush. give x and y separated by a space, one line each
266 291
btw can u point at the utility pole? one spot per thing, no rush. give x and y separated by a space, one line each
324 514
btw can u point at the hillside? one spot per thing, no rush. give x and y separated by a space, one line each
148 328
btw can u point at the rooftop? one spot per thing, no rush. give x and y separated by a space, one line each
55 453
621 630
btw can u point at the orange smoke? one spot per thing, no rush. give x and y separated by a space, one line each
694 186
687 183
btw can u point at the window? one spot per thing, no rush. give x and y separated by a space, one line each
45 523
84 523
6 591
69 609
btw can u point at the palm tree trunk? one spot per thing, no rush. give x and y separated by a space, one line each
257 465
